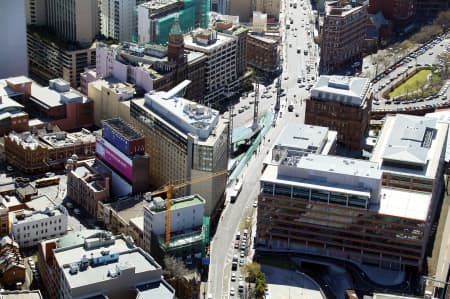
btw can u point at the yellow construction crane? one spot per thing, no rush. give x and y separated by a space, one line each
169 188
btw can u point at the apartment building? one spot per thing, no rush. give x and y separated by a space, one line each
117 19
13 52
343 34
263 54
341 104
50 57
184 140
186 222
97 264
221 81
87 184
43 220
73 20
47 149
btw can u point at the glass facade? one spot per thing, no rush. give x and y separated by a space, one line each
294 215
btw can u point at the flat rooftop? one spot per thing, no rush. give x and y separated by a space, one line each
346 90
411 145
158 204
187 116
403 203
303 137
129 208
35 294
220 40
336 164
123 128
160 290
8 105
48 97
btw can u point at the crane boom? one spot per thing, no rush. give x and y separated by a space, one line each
169 188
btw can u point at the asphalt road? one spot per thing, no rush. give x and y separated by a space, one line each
295 64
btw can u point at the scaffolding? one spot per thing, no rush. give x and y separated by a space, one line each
194 14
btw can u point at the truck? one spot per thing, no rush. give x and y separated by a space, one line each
235 192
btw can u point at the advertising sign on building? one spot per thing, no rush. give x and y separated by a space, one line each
114 158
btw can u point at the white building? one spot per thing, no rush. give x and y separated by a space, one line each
42 221
220 71
13 34
259 21
117 19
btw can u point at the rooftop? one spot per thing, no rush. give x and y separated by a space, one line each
303 137
411 145
56 94
9 105
341 8
128 208
443 116
187 116
35 294
346 90
206 40
123 128
158 204
264 39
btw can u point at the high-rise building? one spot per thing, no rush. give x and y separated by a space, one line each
13 52
221 81
73 20
36 12
400 12
342 104
184 140
117 19
155 18
343 34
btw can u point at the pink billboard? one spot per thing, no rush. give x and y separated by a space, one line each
115 158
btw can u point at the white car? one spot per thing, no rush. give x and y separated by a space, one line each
232 291
255 204
233 276
77 211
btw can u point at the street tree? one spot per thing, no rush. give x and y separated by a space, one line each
443 19
251 271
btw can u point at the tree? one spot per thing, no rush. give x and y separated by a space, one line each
174 268
443 19
426 33
251 271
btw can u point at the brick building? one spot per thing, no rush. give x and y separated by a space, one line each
343 34
263 54
47 148
341 104
12 268
400 12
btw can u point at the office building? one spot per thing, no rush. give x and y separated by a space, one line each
230 25
117 19
184 140
299 139
36 12
87 184
42 220
334 206
47 149
12 266
263 54
411 151
342 34
96 264
50 57
111 99
73 20
342 104
186 222
269 7
122 150
13 52
400 12
241 8
221 81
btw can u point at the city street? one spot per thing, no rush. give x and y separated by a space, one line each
294 64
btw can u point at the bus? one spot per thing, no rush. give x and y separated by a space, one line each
235 192
47 181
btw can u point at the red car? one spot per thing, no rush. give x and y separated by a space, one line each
236 244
